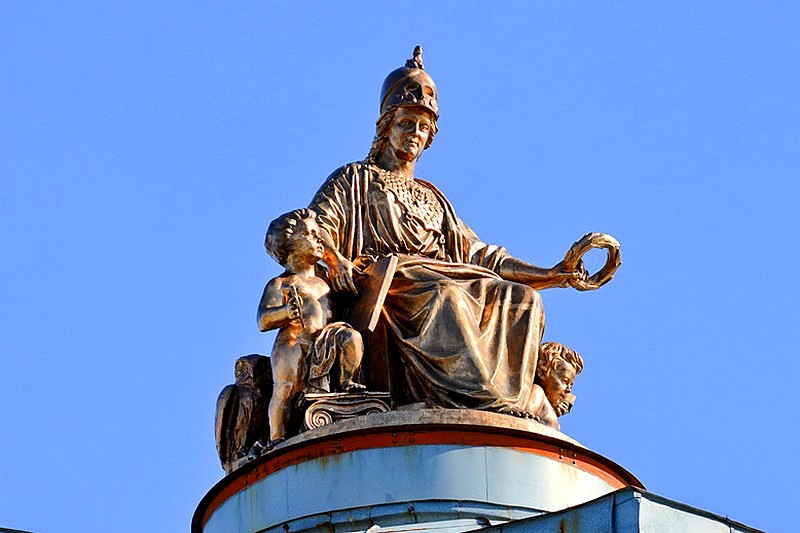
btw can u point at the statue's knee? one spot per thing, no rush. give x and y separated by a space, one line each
282 390
524 294
449 291
351 338
535 296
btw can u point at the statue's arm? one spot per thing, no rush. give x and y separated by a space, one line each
340 269
332 203
510 268
513 269
273 311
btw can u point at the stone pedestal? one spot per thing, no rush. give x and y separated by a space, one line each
324 408
455 469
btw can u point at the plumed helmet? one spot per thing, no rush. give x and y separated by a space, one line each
410 86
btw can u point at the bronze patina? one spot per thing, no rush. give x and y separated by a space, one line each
242 411
297 303
446 320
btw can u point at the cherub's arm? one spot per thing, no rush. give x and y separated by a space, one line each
273 310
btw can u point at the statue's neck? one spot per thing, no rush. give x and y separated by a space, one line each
404 169
299 267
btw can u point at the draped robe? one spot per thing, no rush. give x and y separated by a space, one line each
465 337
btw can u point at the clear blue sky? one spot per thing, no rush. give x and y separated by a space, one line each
145 146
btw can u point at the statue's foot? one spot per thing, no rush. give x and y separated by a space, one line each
352 386
260 447
513 410
257 450
274 442
509 410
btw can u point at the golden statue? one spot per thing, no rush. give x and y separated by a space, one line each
462 321
422 314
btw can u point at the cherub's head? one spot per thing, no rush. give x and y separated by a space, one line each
295 237
556 370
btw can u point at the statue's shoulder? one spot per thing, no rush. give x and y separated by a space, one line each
356 168
346 175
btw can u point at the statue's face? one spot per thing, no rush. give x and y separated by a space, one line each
557 383
409 132
307 242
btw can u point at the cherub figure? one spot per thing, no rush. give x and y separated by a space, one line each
297 302
556 370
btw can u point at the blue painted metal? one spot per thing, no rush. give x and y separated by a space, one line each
624 511
489 477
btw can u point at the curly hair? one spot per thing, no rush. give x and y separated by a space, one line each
549 352
381 139
279 234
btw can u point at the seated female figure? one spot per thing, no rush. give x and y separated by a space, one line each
462 318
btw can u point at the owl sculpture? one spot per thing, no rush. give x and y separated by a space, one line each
242 411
